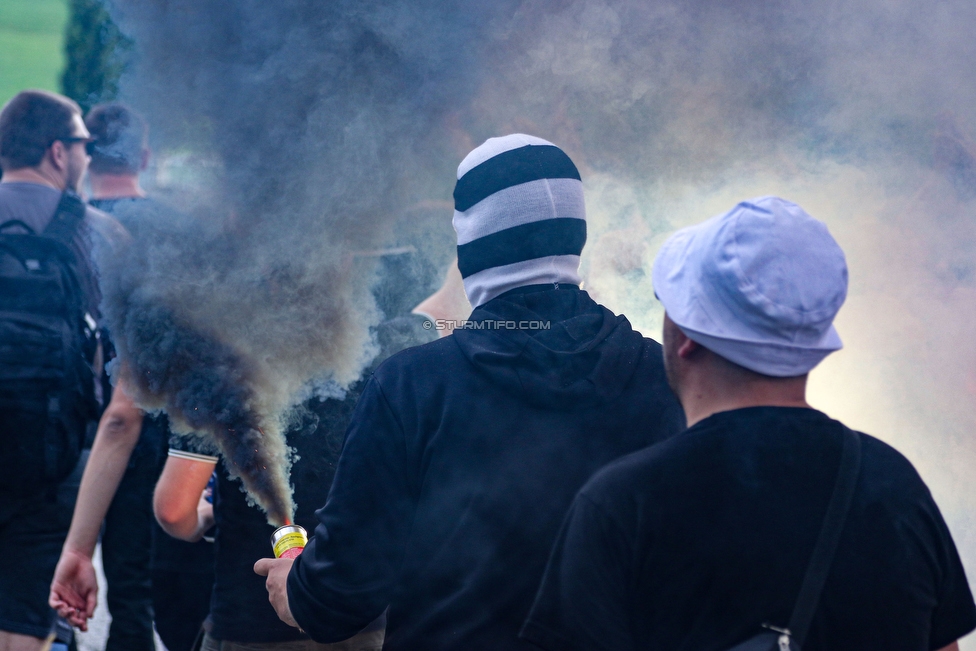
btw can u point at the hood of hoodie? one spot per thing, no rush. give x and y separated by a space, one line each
585 357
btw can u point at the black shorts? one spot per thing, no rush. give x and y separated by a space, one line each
32 531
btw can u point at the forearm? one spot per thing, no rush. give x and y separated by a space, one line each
189 526
177 502
118 433
184 529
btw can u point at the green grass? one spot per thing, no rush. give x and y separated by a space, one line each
31 45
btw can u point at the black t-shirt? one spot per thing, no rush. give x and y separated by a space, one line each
239 607
168 553
698 541
119 207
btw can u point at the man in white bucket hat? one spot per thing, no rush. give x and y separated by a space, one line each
703 540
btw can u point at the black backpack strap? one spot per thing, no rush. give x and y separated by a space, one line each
823 552
63 227
68 216
16 223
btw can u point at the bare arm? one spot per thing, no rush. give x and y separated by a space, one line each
118 433
178 503
74 587
952 647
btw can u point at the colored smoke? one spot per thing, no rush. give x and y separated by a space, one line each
337 126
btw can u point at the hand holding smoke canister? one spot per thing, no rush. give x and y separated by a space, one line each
289 541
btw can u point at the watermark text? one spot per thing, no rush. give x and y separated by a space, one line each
486 324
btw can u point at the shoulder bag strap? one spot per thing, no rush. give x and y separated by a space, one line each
823 553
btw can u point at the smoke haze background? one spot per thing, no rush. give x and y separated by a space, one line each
335 127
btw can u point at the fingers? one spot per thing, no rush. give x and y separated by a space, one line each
91 601
74 590
62 609
81 623
55 602
75 604
263 566
72 615
66 600
76 618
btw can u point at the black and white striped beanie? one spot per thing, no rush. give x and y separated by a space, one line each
519 217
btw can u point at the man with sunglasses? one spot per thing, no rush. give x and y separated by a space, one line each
44 140
43 159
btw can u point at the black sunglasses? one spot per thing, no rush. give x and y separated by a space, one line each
73 139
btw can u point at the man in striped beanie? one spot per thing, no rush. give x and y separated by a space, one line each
463 454
519 217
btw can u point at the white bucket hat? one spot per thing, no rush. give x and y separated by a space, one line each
759 285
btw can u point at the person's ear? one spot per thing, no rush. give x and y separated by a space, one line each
687 347
58 154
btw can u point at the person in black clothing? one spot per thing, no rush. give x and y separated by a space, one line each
463 454
181 573
43 158
119 152
701 541
240 615
150 575
134 548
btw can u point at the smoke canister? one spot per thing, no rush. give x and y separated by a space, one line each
289 541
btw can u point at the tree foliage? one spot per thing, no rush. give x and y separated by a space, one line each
97 54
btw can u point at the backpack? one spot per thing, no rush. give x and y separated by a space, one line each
791 638
48 342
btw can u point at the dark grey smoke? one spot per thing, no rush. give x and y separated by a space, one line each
320 125
335 127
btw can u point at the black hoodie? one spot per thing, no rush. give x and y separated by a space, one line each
461 460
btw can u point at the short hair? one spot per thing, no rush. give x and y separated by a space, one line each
120 136
30 123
